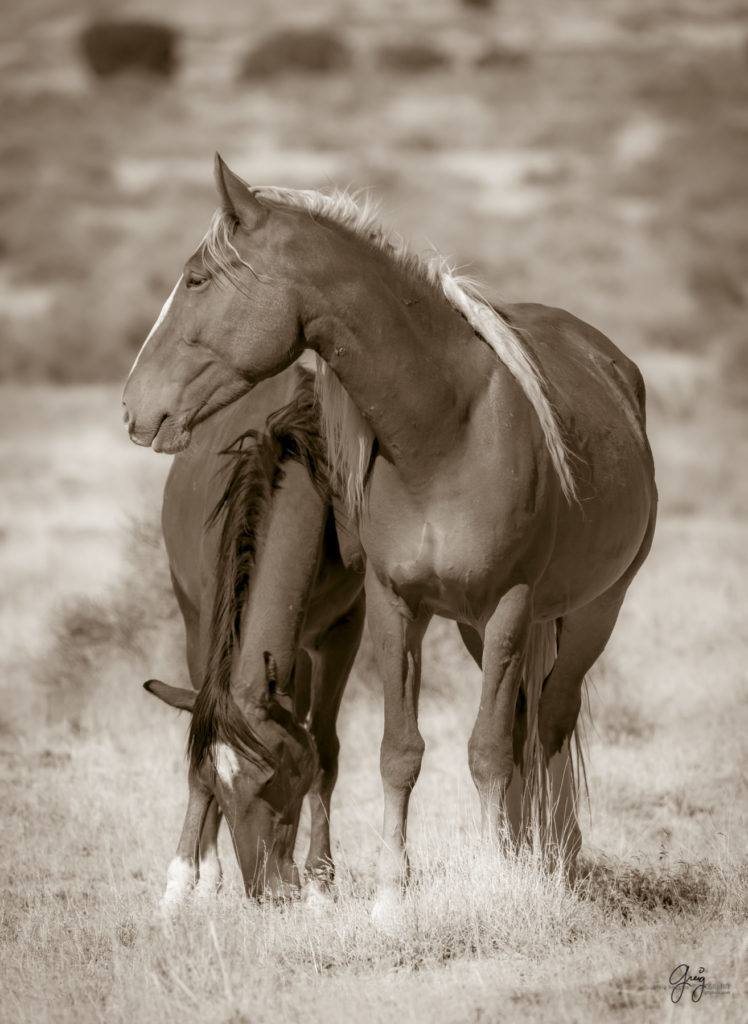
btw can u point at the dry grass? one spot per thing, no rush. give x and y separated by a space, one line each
93 780
603 171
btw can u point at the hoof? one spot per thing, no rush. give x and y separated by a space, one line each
387 912
316 896
180 881
168 910
210 882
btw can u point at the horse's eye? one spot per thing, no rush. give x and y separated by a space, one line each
195 280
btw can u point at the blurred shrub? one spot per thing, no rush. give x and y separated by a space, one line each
630 893
297 50
73 343
122 629
411 57
113 46
501 57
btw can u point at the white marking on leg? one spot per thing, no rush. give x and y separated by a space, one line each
159 321
180 878
316 896
211 876
226 762
387 911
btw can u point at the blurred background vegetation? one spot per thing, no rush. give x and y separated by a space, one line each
587 154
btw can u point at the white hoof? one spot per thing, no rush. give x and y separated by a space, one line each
316 897
387 912
180 880
209 883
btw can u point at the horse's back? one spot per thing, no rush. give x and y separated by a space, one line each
574 355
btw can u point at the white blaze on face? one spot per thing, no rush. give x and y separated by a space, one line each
227 763
159 321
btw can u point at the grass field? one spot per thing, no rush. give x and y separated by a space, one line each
93 787
600 166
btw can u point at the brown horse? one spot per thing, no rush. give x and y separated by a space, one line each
273 622
496 462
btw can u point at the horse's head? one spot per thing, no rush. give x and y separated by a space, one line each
232 320
260 788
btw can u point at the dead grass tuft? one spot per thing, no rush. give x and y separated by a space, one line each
632 893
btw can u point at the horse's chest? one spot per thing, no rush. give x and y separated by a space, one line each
448 555
422 560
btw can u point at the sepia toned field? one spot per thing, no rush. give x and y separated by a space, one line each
597 164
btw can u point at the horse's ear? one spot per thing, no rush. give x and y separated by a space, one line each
173 695
236 196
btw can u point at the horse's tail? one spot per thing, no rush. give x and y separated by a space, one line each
551 787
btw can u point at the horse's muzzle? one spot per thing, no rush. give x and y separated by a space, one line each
169 435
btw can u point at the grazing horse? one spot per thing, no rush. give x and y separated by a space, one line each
495 461
273 622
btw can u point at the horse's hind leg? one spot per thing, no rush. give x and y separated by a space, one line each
583 636
333 660
491 746
513 799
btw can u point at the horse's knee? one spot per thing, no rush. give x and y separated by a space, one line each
400 760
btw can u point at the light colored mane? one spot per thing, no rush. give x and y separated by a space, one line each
349 437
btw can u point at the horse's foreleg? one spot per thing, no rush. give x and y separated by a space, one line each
335 654
211 873
183 869
491 746
396 634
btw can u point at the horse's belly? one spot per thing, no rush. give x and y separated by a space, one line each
596 543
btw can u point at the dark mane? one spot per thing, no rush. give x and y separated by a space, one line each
291 433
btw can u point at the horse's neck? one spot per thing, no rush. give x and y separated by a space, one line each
402 353
282 578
